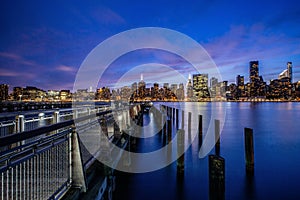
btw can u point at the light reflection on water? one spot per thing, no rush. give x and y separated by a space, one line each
276 152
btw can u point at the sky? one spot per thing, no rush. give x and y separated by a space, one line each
44 43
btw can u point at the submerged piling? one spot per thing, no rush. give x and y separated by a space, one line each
217 137
200 130
249 151
180 151
189 122
216 167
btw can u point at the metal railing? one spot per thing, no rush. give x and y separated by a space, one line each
43 163
38 170
44 166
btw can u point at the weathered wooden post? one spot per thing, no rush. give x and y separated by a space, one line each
216 168
217 136
249 151
182 119
200 130
180 151
177 117
189 122
169 130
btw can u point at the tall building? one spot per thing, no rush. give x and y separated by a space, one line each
200 85
213 82
290 71
17 93
189 88
3 92
254 72
180 92
254 79
240 84
141 88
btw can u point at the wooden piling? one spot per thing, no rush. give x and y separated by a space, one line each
217 137
180 151
169 124
216 168
177 118
249 151
200 130
182 119
189 122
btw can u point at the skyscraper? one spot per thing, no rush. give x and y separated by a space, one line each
290 71
254 72
189 88
254 79
200 85
3 92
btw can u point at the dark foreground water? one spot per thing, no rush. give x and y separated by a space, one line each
276 150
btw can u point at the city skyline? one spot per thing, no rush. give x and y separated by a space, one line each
198 87
40 48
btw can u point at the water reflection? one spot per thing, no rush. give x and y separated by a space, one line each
276 142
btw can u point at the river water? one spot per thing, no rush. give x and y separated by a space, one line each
276 155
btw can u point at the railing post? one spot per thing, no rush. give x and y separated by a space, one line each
55 117
77 174
20 126
41 119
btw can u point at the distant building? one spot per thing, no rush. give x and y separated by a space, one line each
200 86
53 95
287 73
33 94
4 92
17 93
240 84
180 92
189 89
65 95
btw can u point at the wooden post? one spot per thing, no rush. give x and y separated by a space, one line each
216 168
177 118
217 137
180 151
169 130
200 130
189 122
182 119
249 151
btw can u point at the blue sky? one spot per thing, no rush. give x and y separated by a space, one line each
43 43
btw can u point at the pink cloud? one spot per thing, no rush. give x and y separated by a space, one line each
16 58
65 68
8 73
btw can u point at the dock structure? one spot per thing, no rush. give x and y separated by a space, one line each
46 158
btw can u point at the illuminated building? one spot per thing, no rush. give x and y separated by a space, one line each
200 86
189 89
3 92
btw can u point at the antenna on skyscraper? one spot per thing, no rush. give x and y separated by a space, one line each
142 77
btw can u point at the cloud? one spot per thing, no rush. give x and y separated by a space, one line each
17 59
242 44
13 73
65 68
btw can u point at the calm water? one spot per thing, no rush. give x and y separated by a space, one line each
276 152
